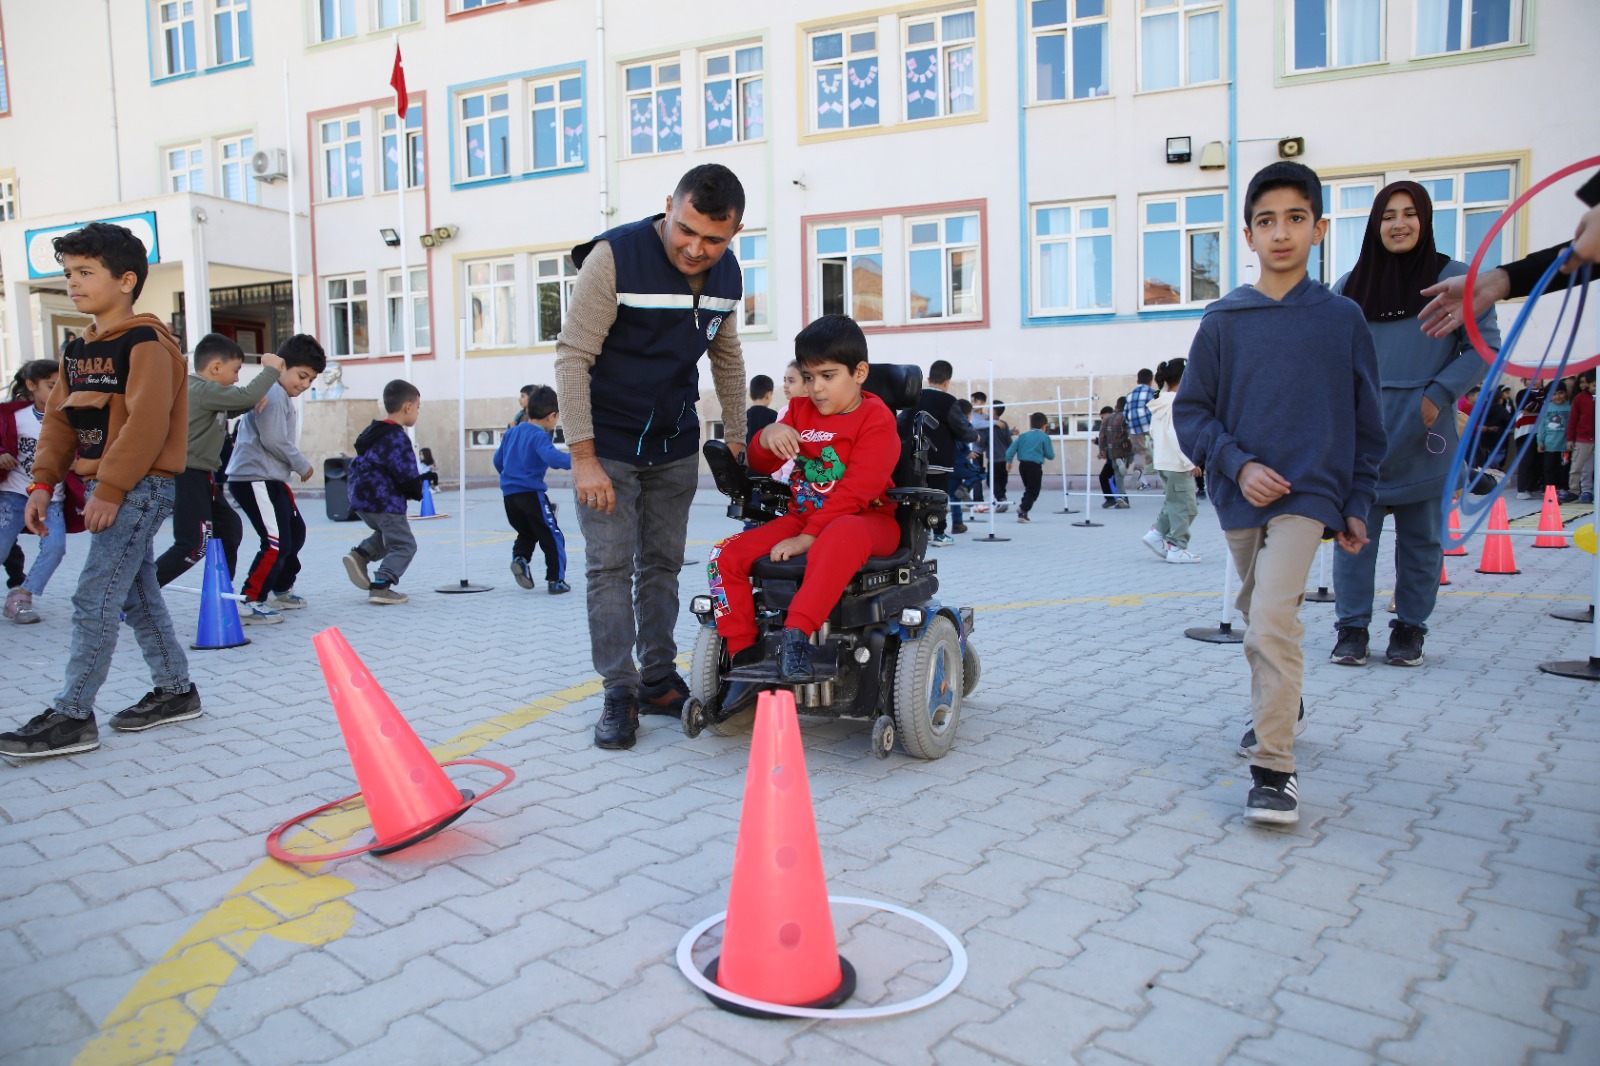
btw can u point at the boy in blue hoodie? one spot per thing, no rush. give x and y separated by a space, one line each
383 477
1282 474
525 453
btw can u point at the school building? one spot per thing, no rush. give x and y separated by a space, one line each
1048 187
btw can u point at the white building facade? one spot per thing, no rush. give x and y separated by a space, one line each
1048 187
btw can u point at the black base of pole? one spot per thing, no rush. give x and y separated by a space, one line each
990 538
1087 524
846 989
1585 614
1322 595
1583 671
464 586
1222 634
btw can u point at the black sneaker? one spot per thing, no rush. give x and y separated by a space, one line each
1247 743
794 657
1405 644
1351 647
557 588
959 527
520 574
618 726
665 696
49 734
1274 798
158 708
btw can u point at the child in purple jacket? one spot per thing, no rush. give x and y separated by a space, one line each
382 478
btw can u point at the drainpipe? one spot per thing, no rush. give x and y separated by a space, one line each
601 117
116 149
1233 141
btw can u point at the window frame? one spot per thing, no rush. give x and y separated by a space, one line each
947 249
325 147
1038 242
248 184
188 37
562 109
468 289
1182 9
1517 29
414 6
472 7
653 92
941 48
1330 45
320 10
190 168
1462 208
1186 231
421 311
763 293
816 258
241 13
416 145
5 77
463 123
738 83
8 198
1068 31
1328 270
847 56
562 281
349 301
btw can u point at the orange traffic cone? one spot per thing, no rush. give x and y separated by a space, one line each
1444 575
1550 522
777 943
1498 558
1455 534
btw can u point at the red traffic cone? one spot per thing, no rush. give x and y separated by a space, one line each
777 943
1455 534
1498 558
1550 522
1444 575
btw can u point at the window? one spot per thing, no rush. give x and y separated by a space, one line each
341 158
336 19
8 199
752 254
231 31
237 183
394 306
491 297
1465 205
186 169
941 48
849 270
1069 49
1180 43
1445 26
554 278
5 86
844 78
392 13
1180 249
557 106
486 133
175 23
942 268
473 5
1072 258
1334 33
733 94
412 153
655 107
1345 204
347 317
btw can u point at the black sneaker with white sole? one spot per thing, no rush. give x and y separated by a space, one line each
1351 647
1274 797
158 708
50 733
1247 743
1405 644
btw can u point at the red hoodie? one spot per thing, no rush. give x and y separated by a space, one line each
1580 423
846 462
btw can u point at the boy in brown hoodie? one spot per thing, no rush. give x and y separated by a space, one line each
119 419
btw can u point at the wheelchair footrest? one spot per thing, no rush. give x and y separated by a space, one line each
824 667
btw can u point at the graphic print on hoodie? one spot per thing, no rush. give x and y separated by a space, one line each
384 474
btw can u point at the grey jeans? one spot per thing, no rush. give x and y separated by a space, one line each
392 544
120 575
631 559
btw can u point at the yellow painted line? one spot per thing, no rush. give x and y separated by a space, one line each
1138 599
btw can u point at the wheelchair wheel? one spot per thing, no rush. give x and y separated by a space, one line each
928 690
705 666
971 669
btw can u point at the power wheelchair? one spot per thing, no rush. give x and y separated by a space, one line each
890 651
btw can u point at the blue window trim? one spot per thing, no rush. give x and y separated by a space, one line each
458 184
150 50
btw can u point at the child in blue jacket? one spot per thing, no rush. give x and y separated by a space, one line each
525 453
382 478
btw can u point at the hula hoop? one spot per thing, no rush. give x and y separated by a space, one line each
958 971
468 800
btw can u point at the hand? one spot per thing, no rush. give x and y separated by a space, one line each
272 362
1430 412
794 546
1354 537
308 474
1261 484
1585 242
781 440
592 486
97 513
33 515
1196 472
7 462
1442 315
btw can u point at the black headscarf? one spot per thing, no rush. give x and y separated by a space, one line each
1386 285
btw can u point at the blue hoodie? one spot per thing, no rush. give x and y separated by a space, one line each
525 453
1291 383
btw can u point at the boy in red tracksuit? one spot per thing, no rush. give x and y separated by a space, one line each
845 446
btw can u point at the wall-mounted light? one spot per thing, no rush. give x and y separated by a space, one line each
1214 156
1177 149
390 237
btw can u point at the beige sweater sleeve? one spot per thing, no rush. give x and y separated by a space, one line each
727 374
589 317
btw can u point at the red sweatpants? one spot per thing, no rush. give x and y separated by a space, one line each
833 560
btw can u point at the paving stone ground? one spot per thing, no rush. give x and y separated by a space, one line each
1437 902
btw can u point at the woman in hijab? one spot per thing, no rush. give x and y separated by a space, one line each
1422 377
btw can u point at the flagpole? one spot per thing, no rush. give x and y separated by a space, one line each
402 172
288 174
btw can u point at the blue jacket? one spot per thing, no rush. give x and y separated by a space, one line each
1291 383
525 453
384 474
1031 447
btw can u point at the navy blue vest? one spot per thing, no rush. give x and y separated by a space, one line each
646 380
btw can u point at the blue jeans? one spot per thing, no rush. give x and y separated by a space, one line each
1417 559
120 575
52 546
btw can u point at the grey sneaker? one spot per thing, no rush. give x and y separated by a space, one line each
385 593
355 565
158 707
50 733
15 600
286 601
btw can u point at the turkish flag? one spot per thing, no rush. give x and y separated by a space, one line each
398 80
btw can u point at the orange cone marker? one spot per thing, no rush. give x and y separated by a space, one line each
1444 575
1550 522
1455 531
1498 558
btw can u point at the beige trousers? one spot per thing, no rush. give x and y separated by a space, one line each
1273 562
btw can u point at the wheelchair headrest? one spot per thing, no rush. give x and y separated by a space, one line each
896 384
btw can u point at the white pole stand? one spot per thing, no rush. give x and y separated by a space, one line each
1061 424
1223 633
1088 457
1323 594
1583 671
988 475
461 453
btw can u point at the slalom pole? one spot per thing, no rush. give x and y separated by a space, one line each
989 474
1088 451
1322 595
1061 424
461 473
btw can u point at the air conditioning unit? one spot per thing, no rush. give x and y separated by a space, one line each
270 164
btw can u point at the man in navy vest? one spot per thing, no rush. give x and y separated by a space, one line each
651 298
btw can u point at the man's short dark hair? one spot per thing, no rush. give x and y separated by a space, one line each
940 372
397 394
831 339
214 346
1038 420
1122 402
542 403
714 190
999 409
527 390
118 250
1284 175
980 397
760 386
1145 376
302 349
